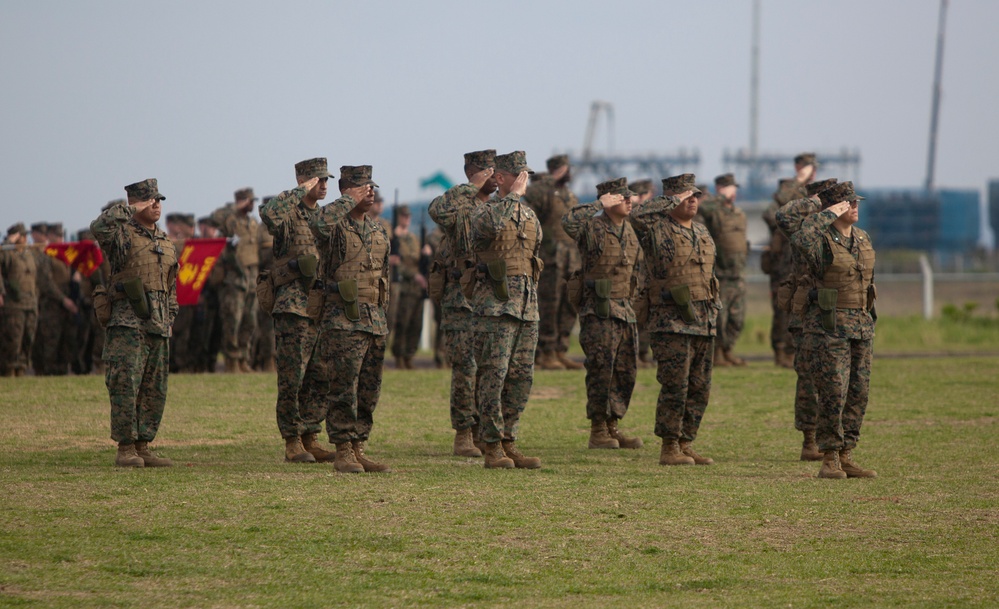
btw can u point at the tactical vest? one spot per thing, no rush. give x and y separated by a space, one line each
61 274
20 277
731 237
301 241
616 262
409 254
248 248
514 244
849 276
560 207
157 271
689 267
363 266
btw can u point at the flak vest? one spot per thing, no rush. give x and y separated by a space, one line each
61 274
364 266
850 277
560 207
409 254
20 278
515 244
615 263
300 242
248 248
732 233
156 270
691 266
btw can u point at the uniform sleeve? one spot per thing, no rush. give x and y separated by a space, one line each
323 224
274 212
790 217
575 221
643 218
488 220
809 242
446 209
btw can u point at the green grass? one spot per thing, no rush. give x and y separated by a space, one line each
233 526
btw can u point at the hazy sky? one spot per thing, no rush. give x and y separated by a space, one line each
211 96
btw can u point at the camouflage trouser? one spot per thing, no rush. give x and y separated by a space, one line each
504 352
302 377
780 338
53 343
265 344
841 372
732 316
611 348
408 320
17 335
238 308
181 359
557 315
439 346
137 365
684 371
805 399
354 360
460 346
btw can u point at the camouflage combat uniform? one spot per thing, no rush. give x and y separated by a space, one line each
238 297
52 287
609 338
780 268
409 306
137 351
19 313
264 341
727 225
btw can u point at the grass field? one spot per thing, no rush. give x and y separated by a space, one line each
233 526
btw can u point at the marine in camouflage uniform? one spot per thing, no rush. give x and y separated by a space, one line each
353 252
727 225
434 241
264 341
550 198
18 302
88 330
644 192
143 300
605 286
838 325
55 307
180 228
302 375
792 297
238 296
452 211
410 290
683 308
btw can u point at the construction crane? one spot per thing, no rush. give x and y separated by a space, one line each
931 155
591 128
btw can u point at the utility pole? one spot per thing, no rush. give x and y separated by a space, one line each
755 179
931 160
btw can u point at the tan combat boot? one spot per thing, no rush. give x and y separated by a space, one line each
244 366
148 458
851 469
345 462
232 365
127 457
720 361
568 362
408 362
520 460
809 449
366 463
732 358
784 359
645 360
830 466
622 440
688 449
270 365
599 438
463 445
671 455
477 439
311 445
294 452
495 458
548 361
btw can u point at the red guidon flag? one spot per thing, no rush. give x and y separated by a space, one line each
84 256
196 263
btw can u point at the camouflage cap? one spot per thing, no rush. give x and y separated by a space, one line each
208 221
702 190
84 234
816 187
144 190
839 193
805 158
112 203
483 159
17 228
641 187
174 217
55 228
188 219
726 179
243 194
403 210
554 162
617 186
39 227
513 162
358 175
680 183
313 168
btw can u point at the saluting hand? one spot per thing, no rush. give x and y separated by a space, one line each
309 184
479 178
358 193
142 205
840 208
520 184
611 200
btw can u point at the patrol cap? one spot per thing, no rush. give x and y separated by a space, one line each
680 183
641 187
617 186
208 221
726 179
144 190
112 203
805 158
39 227
483 159
313 168
838 193
17 228
556 161
816 187
55 228
513 162
403 210
244 193
187 219
175 217
357 175
702 190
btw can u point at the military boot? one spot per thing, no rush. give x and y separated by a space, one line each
599 438
830 466
852 469
622 440
688 449
720 361
463 445
520 459
671 455
784 359
127 457
244 366
366 463
569 363
311 444
732 358
148 458
294 452
270 365
809 449
548 361
345 462
495 458
645 360
477 439
408 362
232 365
